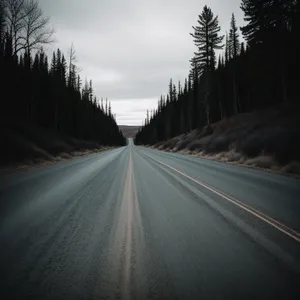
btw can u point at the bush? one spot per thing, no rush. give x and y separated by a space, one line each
233 156
292 168
183 144
195 145
16 148
217 144
262 161
170 144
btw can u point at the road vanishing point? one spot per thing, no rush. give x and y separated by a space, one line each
138 223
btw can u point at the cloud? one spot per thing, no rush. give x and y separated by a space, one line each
125 109
130 49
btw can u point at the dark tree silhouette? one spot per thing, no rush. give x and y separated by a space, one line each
261 74
234 42
207 39
47 97
26 25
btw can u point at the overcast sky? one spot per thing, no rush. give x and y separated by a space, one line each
131 48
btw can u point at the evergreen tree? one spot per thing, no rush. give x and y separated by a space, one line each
242 49
109 109
179 89
102 106
63 70
91 91
79 82
53 69
174 93
267 21
254 16
43 99
171 91
219 62
207 39
227 50
234 43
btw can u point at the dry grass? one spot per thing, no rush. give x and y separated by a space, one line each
268 139
64 155
262 161
292 168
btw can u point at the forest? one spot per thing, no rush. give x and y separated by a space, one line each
230 76
47 93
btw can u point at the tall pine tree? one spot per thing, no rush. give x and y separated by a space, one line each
234 42
207 39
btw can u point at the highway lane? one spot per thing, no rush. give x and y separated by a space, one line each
136 223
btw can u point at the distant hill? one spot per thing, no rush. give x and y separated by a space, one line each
129 131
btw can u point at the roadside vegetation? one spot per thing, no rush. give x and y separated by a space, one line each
45 109
240 101
267 139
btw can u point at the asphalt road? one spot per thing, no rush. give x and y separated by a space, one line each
136 223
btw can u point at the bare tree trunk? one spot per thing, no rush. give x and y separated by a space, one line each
28 27
72 59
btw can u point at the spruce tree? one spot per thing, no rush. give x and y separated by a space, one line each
53 69
227 50
234 43
207 39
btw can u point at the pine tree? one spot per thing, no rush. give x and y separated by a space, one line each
267 21
86 91
63 70
27 60
91 91
207 39
109 109
227 50
171 90
42 66
242 49
36 62
253 11
147 118
46 65
58 60
219 62
53 69
174 93
79 82
185 89
234 43
179 89
72 67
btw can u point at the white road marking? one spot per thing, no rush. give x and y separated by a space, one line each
265 218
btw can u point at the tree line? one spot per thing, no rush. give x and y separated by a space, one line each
47 93
260 72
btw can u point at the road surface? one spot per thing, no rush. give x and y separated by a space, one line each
136 223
